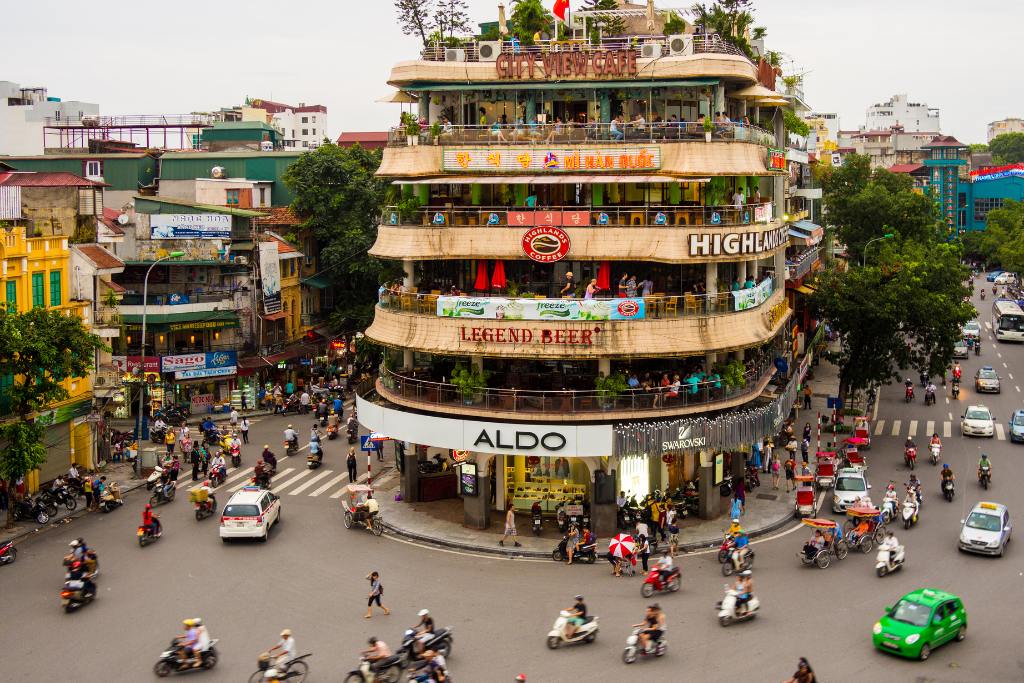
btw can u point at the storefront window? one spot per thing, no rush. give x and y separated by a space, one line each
552 481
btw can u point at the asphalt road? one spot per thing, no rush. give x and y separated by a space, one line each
310 577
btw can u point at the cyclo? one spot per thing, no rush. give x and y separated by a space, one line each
864 529
825 469
358 510
831 544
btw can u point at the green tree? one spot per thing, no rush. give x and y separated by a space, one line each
674 24
1003 238
40 349
1007 148
529 17
795 124
977 147
612 25
340 199
451 19
862 204
731 19
414 18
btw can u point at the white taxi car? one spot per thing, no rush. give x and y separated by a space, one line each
851 485
977 421
986 530
250 513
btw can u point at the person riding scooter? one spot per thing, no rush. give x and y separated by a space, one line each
653 626
946 476
269 458
744 590
261 474
929 393
291 438
151 521
984 464
955 390
891 544
578 614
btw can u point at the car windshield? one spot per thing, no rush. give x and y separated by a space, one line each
850 484
972 327
978 414
1018 419
983 521
237 510
987 374
912 613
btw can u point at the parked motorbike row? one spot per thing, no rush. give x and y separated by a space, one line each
684 500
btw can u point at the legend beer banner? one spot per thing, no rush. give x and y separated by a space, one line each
270 273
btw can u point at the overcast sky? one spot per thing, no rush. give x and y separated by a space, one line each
168 58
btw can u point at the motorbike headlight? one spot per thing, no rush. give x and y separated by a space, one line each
912 638
877 628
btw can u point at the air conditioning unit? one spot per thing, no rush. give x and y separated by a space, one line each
650 50
489 50
454 54
680 45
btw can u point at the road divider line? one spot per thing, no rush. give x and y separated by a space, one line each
929 428
328 485
947 430
1000 432
1017 387
896 424
1010 375
306 484
1004 364
912 429
301 475
879 427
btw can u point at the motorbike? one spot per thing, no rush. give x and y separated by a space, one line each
160 495
633 649
157 435
8 553
886 565
909 515
985 477
725 550
948 490
205 508
909 394
977 347
753 478
217 476
154 477
727 613
725 489
983 295
924 380
60 495
654 583
236 459
730 566
440 641
538 523
146 536
935 450
170 662
172 414
353 432
909 457
332 432
929 398
955 390
111 498
268 671
585 554
314 460
585 632
292 405
75 595
889 508
30 508
387 669
291 447
261 481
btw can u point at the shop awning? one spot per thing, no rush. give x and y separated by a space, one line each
798 238
552 179
199 320
320 281
280 315
806 289
562 85
812 232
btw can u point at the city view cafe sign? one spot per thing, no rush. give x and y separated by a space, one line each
569 64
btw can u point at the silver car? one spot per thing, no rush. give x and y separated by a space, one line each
987 379
960 349
986 530
972 329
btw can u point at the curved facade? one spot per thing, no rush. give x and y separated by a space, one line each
590 239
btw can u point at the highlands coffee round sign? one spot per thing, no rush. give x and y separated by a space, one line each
546 244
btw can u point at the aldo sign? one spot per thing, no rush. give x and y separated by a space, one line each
519 440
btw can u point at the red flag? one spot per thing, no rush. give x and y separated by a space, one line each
561 10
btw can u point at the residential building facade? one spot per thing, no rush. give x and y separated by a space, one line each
1011 125
898 110
24 113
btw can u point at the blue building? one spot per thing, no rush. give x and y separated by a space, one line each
947 156
988 189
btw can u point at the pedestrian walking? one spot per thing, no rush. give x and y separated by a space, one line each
351 463
643 549
804 673
791 447
233 418
769 447
790 466
376 591
510 526
169 439
175 468
379 447
775 474
740 491
87 490
807 397
673 530
243 426
805 447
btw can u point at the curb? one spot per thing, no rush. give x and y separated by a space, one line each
772 526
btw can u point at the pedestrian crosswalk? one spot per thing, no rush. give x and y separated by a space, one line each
293 481
895 428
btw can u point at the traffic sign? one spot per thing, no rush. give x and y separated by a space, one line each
366 444
835 403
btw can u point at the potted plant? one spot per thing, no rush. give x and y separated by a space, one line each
709 127
470 382
412 129
435 131
609 388
733 374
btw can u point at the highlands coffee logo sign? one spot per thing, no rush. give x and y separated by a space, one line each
736 243
685 439
546 244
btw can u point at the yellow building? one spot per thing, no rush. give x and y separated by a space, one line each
286 326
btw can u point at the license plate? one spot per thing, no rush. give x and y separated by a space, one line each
238 523
891 645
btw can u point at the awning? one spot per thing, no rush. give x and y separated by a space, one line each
755 92
562 85
199 320
320 281
806 289
550 179
812 232
398 97
280 315
798 238
242 245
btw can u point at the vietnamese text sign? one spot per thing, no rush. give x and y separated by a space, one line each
199 361
497 308
206 372
552 159
753 297
201 403
166 226
270 274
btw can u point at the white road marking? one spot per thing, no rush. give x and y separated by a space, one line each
947 430
1000 433
912 429
1004 364
237 474
896 424
947 400
305 485
1017 388
988 326
879 427
999 354
301 475
1010 375
949 415
332 483
930 427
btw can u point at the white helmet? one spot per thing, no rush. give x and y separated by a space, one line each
424 612
74 543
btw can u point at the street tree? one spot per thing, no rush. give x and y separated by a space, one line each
529 17
610 25
862 204
339 198
1007 148
451 18
39 350
1003 237
904 310
414 18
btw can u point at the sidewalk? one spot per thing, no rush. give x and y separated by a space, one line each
129 423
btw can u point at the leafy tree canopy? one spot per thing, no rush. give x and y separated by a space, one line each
731 19
1001 243
529 17
1007 148
414 18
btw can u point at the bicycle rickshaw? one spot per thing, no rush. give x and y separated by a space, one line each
864 528
805 505
834 545
825 469
862 430
354 501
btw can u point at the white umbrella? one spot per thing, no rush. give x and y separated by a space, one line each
650 15
502 23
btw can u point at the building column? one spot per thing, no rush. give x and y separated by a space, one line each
477 363
741 272
410 478
711 277
708 501
779 189
710 359
476 510
424 106
780 268
409 270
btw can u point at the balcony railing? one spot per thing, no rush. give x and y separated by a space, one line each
580 216
105 377
702 44
104 316
581 133
175 298
799 267
688 394
657 306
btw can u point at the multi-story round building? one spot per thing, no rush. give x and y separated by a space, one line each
592 243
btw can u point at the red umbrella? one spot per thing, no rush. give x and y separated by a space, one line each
481 276
498 280
622 545
604 275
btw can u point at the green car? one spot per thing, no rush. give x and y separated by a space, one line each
919 622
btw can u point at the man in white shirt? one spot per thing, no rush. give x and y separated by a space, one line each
738 199
286 648
234 418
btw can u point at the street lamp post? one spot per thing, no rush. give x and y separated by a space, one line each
142 357
864 254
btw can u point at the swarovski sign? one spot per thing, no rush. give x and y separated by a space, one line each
685 439
737 243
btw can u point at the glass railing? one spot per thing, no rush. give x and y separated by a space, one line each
580 216
693 390
522 307
497 134
655 46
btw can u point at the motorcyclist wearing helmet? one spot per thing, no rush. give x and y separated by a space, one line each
578 614
188 641
947 473
982 463
150 521
910 443
77 571
269 458
291 437
744 590
425 626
